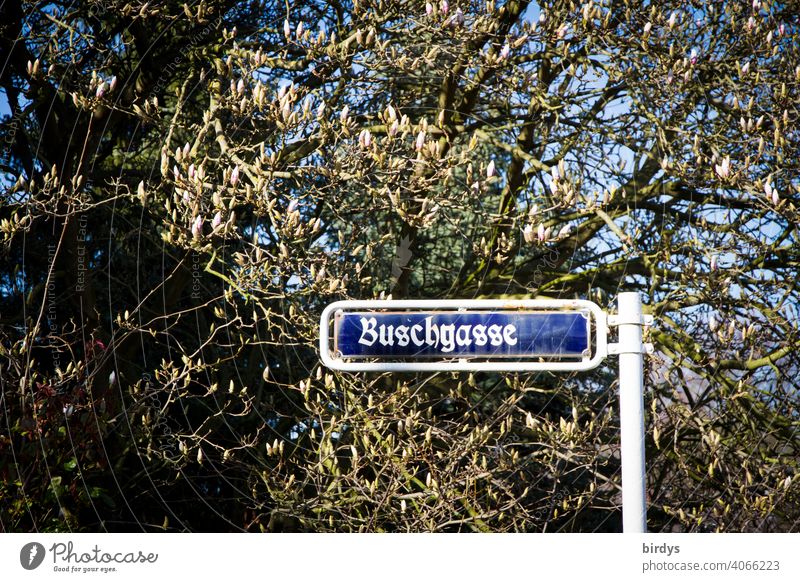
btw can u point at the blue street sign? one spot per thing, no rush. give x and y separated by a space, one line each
462 334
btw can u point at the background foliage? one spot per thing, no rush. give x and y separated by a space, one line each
187 185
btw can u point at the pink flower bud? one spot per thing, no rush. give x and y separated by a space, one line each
505 51
216 221
287 28
420 143
240 87
527 233
723 170
235 176
490 169
365 138
101 90
713 263
647 28
112 84
445 6
197 227
428 8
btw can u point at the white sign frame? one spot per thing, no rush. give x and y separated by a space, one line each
600 328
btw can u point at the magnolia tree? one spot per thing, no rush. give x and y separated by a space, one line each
188 186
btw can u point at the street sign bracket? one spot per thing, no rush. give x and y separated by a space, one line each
619 319
616 348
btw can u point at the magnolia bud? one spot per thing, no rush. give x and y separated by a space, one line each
713 324
197 227
420 143
527 233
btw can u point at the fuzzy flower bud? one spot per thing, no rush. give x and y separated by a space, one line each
197 227
420 143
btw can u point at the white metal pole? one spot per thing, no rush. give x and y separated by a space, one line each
631 413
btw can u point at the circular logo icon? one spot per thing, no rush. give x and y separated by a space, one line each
31 555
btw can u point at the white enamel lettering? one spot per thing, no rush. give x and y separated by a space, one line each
368 327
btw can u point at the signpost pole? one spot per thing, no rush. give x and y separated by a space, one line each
631 403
